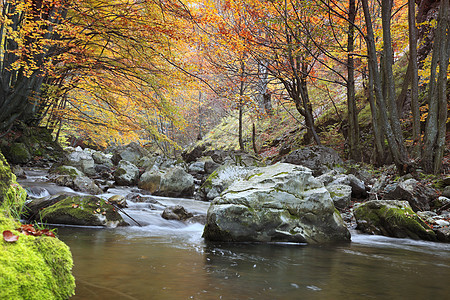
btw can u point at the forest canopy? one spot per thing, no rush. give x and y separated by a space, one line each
165 71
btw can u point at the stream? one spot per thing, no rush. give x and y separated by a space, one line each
170 260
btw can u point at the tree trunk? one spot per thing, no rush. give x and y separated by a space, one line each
435 130
396 148
386 8
353 131
414 77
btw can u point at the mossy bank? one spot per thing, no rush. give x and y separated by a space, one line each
32 267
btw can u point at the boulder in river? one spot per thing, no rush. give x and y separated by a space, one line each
177 212
126 173
81 210
392 218
82 160
278 203
71 177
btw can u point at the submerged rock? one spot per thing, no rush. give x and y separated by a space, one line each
278 203
392 218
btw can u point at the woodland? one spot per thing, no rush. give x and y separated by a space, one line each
165 72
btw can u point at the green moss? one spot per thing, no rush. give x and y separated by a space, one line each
208 182
12 195
66 170
81 210
392 220
34 267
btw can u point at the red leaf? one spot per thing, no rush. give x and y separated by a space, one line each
47 232
10 237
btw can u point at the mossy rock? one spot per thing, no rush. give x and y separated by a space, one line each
17 153
392 218
66 170
84 211
12 195
34 267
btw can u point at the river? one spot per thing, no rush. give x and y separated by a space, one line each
170 260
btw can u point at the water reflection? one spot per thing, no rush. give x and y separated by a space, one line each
151 263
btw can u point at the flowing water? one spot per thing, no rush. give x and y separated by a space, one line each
169 260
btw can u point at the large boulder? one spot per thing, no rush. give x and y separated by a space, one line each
319 159
132 152
278 203
17 153
150 180
171 182
418 195
221 179
126 173
392 218
81 210
176 182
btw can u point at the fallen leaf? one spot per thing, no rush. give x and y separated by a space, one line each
10 237
47 232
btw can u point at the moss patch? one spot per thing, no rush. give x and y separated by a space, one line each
392 218
34 267
82 210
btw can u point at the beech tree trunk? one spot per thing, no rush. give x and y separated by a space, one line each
353 130
388 114
414 77
435 130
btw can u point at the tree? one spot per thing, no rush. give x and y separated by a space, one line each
438 95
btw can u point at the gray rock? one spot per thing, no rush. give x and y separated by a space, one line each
177 212
446 192
132 153
18 171
442 203
176 182
319 159
418 195
197 167
341 195
72 177
102 159
278 203
443 234
358 187
126 173
118 200
392 218
221 178
83 161
150 180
